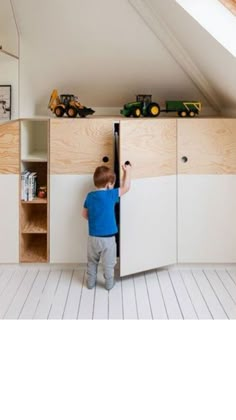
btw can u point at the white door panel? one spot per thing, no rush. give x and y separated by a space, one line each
9 220
206 218
148 225
68 229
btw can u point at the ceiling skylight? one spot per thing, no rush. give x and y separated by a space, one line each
213 16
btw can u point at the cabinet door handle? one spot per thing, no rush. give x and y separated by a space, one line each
105 159
184 159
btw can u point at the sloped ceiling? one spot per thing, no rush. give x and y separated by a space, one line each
104 52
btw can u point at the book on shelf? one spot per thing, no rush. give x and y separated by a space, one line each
28 185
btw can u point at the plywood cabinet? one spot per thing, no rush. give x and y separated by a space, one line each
9 192
77 147
181 206
148 210
207 191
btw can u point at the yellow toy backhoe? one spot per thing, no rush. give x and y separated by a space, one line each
67 104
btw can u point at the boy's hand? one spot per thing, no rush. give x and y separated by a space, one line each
126 167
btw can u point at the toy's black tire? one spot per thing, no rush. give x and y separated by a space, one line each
191 114
136 112
71 112
59 111
153 110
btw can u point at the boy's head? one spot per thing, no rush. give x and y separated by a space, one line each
104 177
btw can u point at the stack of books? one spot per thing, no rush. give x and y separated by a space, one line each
28 185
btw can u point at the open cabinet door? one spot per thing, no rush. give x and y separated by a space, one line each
148 210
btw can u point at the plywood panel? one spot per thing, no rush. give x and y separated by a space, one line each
150 146
78 146
9 148
208 144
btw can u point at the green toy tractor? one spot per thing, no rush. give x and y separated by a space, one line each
142 106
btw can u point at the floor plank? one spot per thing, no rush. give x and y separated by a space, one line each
228 283
184 299
222 294
60 297
142 297
155 295
73 299
20 298
195 294
35 293
115 302
10 290
44 305
5 278
129 298
210 297
86 303
169 296
100 310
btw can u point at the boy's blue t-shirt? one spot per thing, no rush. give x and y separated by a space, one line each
101 212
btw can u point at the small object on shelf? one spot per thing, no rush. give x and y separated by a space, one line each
143 106
42 192
67 104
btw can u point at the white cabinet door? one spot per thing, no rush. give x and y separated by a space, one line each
68 229
148 210
207 191
9 220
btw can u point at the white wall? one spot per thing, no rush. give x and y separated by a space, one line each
105 53
101 51
8 30
9 76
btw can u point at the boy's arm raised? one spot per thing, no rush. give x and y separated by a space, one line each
126 182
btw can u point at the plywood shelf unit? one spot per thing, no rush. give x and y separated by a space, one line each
34 214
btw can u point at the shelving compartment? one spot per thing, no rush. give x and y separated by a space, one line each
34 140
33 247
34 218
41 168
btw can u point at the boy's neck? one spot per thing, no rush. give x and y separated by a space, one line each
107 187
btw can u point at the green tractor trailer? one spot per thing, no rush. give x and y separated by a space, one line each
147 108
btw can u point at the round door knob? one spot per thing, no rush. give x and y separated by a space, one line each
127 162
105 159
184 159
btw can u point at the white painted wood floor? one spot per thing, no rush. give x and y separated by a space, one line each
28 292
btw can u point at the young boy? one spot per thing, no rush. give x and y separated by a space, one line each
99 210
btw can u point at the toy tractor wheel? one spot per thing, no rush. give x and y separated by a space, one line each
59 111
191 114
136 112
71 112
182 114
153 110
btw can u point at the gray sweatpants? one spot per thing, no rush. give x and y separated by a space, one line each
104 249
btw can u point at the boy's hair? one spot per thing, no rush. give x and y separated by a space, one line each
102 176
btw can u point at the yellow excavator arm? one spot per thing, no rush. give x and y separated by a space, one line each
54 100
